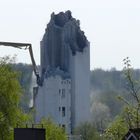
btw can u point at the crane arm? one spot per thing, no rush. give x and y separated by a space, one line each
25 46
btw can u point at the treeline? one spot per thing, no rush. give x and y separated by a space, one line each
110 79
106 89
105 86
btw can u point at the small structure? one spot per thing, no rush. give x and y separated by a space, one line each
132 134
29 134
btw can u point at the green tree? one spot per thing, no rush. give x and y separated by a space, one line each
130 116
10 92
87 131
132 109
53 132
116 130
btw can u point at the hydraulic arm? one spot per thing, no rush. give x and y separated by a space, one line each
25 46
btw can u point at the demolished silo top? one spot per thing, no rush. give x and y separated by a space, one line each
62 37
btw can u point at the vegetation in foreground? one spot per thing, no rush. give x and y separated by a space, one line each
10 93
11 108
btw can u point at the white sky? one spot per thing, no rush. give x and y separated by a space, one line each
111 26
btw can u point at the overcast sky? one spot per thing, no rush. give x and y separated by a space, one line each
111 26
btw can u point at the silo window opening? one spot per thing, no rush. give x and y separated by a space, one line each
63 111
63 93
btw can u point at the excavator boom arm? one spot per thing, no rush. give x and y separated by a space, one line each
24 46
16 45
